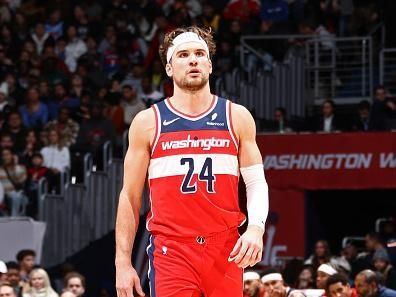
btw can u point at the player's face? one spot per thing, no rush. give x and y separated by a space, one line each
274 288
190 66
251 288
339 290
321 279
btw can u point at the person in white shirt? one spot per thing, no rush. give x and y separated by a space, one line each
56 159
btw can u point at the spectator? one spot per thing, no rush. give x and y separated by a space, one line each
328 122
114 112
6 290
65 126
149 95
383 110
322 255
242 10
13 177
209 17
75 283
337 285
32 145
34 113
41 38
251 284
282 125
308 27
355 260
94 133
56 159
14 278
361 122
4 104
6 141
62 99
274 286
55 24
26 260
75 48
323 273
40 285
3 272
306 278
368 285
373 243
15 129
131 103
382 265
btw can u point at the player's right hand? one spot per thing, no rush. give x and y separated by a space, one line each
126 280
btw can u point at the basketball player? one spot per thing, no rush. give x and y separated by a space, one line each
193 146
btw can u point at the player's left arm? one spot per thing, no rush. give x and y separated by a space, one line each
249 248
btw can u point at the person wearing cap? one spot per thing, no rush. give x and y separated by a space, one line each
193 146
382 264
368 284
274 286
251 284
323 273
3 272
337 285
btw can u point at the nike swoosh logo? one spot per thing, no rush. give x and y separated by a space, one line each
166 123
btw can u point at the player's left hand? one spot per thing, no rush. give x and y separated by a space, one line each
248 249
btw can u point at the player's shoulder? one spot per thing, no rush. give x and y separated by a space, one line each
240 115
144 118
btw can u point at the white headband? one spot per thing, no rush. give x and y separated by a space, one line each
272 277
250 275
327 269
184 38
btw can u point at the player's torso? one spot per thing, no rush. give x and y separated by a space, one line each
193 172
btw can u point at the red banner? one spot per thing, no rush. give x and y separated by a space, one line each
329 161
285 229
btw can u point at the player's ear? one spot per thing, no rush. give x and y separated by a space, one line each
168 69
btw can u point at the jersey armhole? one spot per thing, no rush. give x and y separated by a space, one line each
157 133
230 126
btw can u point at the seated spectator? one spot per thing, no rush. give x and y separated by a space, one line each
26 260
34 113
16 130
321 255
274 286
242 10
6 290
149 95
337 285
367 284
5 107
54 26
383 110
14 278
36 171
41 38
75 48
40 285
66 127
131 103
373 242
322 275
361 122
114 112
13 177
56 159
6 141
306 278
62 99
32 145
381 262
3 272
75 282
251 284
328 122
94 132
281 124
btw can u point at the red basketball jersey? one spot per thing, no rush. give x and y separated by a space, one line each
193 172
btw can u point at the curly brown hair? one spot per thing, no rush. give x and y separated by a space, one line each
205 33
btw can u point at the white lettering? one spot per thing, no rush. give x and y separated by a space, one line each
387 160
326 161
204 143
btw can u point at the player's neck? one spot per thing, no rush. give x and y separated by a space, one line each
192 102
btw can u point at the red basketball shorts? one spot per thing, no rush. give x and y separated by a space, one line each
194 267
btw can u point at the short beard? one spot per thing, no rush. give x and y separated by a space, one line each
192 86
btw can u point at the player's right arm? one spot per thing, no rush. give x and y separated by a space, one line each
135 170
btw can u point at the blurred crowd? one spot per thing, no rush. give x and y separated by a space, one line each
24 278
73 74
364 268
